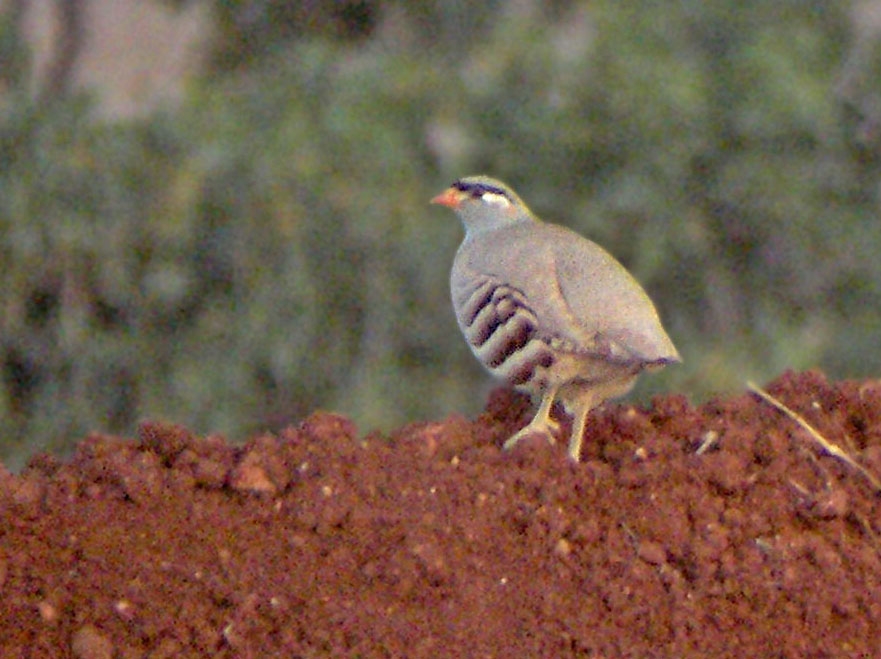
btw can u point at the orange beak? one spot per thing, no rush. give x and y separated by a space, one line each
451 197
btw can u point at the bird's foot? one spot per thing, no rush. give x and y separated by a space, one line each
546 427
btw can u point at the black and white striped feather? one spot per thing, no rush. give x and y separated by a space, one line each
503 331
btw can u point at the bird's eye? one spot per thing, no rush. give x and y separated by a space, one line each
474 190
488 193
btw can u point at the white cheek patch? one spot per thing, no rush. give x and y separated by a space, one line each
495 199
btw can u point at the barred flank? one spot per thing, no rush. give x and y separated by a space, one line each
501 329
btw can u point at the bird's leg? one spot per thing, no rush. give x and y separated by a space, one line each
579 401
541 423
580 410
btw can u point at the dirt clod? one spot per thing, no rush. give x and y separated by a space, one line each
89 643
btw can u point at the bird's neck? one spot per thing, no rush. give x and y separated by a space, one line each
477 223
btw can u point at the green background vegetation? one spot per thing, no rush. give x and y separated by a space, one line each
267 248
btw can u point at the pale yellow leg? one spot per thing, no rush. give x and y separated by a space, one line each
579 401
541 423
579 421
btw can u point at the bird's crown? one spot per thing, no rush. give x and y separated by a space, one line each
487 189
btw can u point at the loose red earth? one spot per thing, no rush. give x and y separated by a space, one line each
718 531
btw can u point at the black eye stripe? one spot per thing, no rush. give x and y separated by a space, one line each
477 190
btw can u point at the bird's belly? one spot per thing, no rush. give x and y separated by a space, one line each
574 367
536 366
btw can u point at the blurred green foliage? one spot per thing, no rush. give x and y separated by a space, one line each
268 248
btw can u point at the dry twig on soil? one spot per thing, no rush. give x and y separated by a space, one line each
829 447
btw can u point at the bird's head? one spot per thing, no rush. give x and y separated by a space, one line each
483 203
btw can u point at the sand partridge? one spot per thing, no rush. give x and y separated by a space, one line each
547 310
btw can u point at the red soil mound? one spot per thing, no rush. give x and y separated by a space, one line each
724 531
